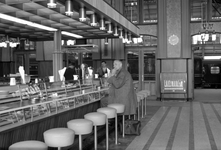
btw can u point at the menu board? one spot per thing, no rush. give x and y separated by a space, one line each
173 82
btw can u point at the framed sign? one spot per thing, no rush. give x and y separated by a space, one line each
173 82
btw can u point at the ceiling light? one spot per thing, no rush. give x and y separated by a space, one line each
7 39
82 14
102 24
29 23
125 36
109 28
121 34
115 31
106 41
51 4
212 57
93 20
129 38
69 8
71 34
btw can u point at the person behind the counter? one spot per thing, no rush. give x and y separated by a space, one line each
103 70
69 72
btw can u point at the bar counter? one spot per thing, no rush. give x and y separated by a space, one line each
27 119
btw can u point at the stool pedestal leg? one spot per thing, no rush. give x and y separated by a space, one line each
107 135
138 111
116 130
145 106
142 107
123 125
80 142
95 137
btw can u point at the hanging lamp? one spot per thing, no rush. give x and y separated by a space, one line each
69 8
115 31
93 20
82 14
51 4
102 24
109 28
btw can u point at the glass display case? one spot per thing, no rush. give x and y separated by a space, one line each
39 100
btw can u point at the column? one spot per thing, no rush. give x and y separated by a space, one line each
57 55
174 44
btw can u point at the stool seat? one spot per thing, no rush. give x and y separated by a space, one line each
59 137
80 126
29 145
139 97
110 112
145 91
142 95
119 107
96 117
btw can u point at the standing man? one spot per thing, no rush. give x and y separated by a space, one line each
69 72
103 70
122 88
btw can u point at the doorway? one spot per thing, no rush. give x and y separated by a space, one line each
141 64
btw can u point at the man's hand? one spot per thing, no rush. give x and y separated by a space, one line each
113 72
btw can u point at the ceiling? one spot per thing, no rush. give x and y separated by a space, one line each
37 11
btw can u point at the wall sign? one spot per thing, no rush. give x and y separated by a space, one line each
173 82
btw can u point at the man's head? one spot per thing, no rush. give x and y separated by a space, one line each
117 64
71 65
103 64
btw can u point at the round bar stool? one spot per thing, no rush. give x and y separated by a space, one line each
59 137
98 119
138 106
29 145
120 110
146 94
111 113
142 96
80 127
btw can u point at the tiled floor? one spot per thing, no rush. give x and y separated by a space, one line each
177 125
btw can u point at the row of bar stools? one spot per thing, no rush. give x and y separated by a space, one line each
145 93
80 127
63 137
59 137
29 145
98 119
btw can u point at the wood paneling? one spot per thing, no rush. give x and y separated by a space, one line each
173 65
118 49
45 68
185 30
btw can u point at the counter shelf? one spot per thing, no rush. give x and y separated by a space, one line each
27 111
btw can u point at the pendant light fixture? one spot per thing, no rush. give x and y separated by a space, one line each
82 14
121 34
125 36
93 20
69 8
129 38
102 24
51 4
7 39
109 28
106 41
115 31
